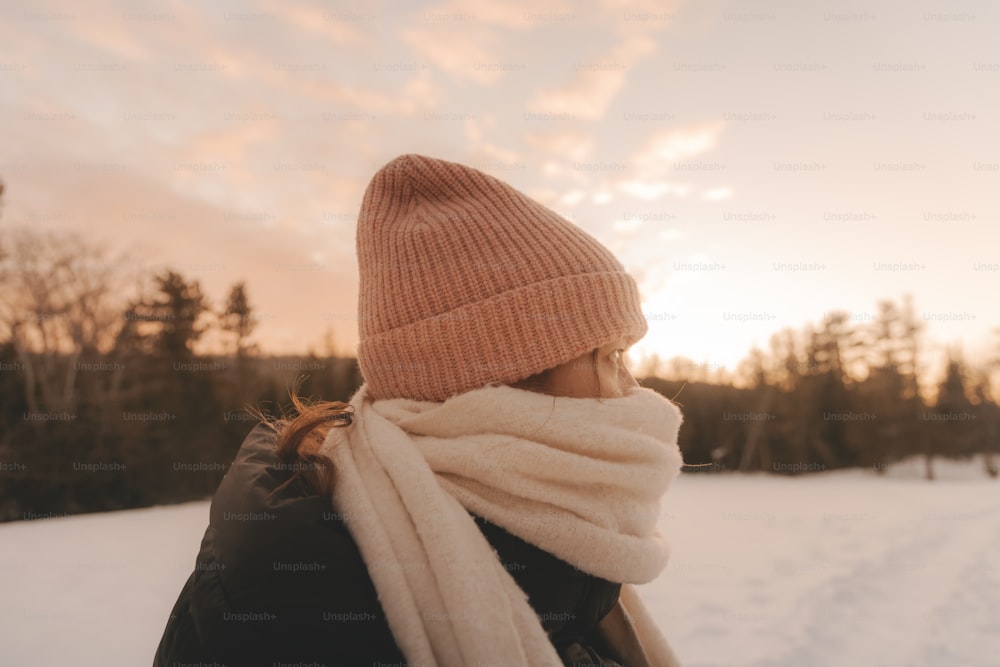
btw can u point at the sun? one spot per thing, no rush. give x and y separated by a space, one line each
685 328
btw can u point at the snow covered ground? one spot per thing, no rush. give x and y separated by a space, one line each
841 568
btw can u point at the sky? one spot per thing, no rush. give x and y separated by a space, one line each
755 165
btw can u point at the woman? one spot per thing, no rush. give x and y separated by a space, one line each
489 496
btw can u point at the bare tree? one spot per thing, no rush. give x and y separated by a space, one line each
56 305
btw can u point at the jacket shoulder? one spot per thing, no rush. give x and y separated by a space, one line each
278 577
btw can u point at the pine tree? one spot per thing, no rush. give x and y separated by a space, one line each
951 428
239 320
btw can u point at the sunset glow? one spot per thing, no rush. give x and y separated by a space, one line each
753 168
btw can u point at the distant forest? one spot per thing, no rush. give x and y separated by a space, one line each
107 404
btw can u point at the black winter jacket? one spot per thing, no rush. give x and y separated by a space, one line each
280 580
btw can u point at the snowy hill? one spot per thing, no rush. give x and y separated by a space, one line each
841 568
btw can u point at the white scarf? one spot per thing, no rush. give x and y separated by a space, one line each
577 477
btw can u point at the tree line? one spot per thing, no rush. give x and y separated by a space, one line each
840 394
109 404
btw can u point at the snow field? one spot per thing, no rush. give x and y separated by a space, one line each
839 568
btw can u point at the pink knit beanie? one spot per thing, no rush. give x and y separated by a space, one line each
466 281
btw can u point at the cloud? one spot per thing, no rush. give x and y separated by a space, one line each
677 144
651 166
418 94
717 194
466 54
573 197
108 32
231 145
566 144
596 83
323 22
626 225
649 190
672 234
485 154
512 14
602 197
473 40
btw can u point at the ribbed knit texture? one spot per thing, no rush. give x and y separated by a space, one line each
465 281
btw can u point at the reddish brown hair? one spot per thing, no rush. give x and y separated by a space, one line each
299 438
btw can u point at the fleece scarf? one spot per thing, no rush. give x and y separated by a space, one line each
581 478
